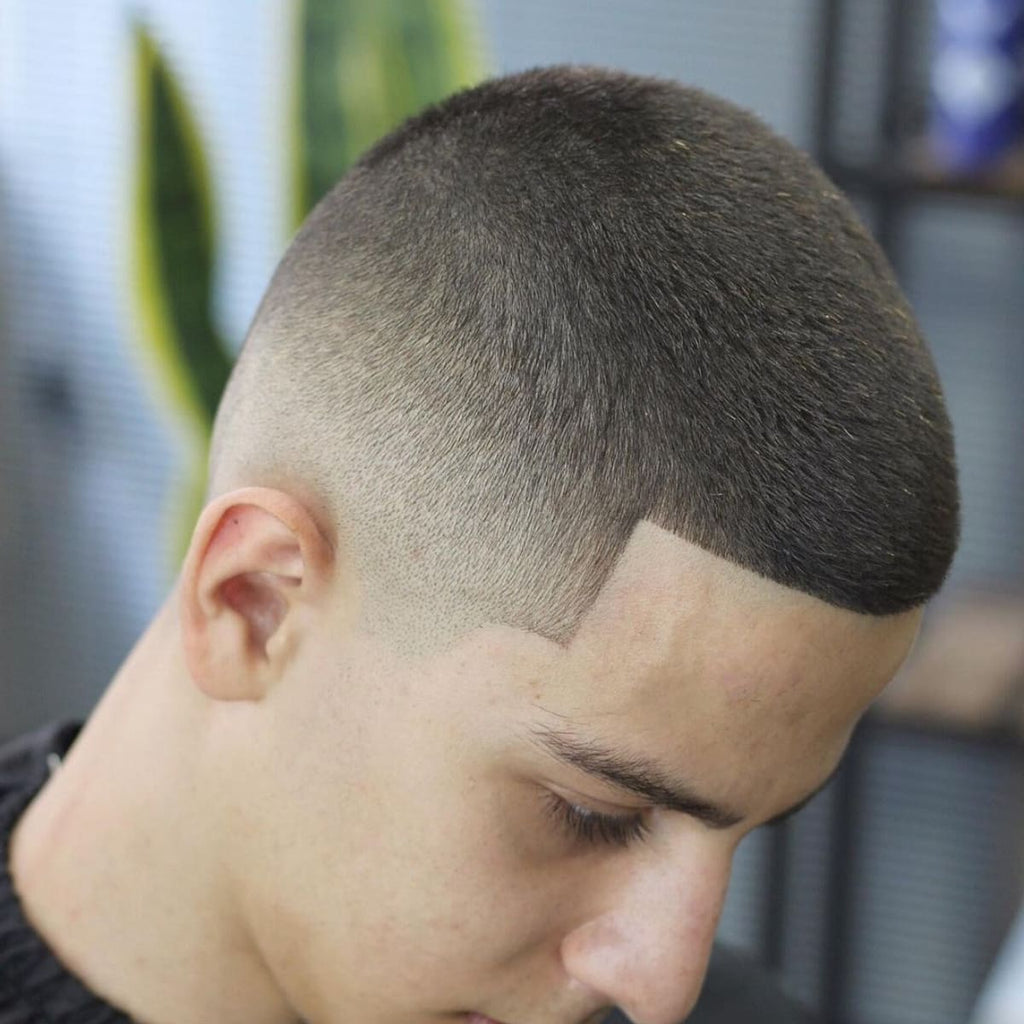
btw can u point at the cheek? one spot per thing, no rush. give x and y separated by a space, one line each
413 871
419 873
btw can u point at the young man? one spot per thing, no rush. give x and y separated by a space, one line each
579 485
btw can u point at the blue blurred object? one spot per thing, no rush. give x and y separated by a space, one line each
977 81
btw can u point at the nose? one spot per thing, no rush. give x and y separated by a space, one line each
647 949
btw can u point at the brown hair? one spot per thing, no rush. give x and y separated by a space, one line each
572 299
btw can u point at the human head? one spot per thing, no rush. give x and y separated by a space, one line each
582 401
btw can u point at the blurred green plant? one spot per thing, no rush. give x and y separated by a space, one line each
362 66
173 234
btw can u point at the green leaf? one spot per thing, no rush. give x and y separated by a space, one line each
363 68
174 242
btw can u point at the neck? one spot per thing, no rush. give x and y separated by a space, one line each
119 863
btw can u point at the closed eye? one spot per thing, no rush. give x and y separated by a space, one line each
596 828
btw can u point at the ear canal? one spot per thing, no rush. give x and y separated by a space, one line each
259 603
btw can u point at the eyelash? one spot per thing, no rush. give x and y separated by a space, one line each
594 828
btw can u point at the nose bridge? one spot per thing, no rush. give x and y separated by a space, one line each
648 951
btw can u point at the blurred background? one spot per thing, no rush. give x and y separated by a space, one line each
156 156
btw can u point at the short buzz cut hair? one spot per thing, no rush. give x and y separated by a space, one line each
571 299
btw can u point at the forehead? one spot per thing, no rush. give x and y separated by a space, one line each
692 657
668 599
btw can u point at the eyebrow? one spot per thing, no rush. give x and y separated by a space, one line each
636 775
647 780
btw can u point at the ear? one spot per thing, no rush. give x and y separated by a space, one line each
257 566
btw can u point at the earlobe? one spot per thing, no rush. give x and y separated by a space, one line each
257 561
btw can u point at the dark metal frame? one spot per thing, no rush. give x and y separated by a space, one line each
888 207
